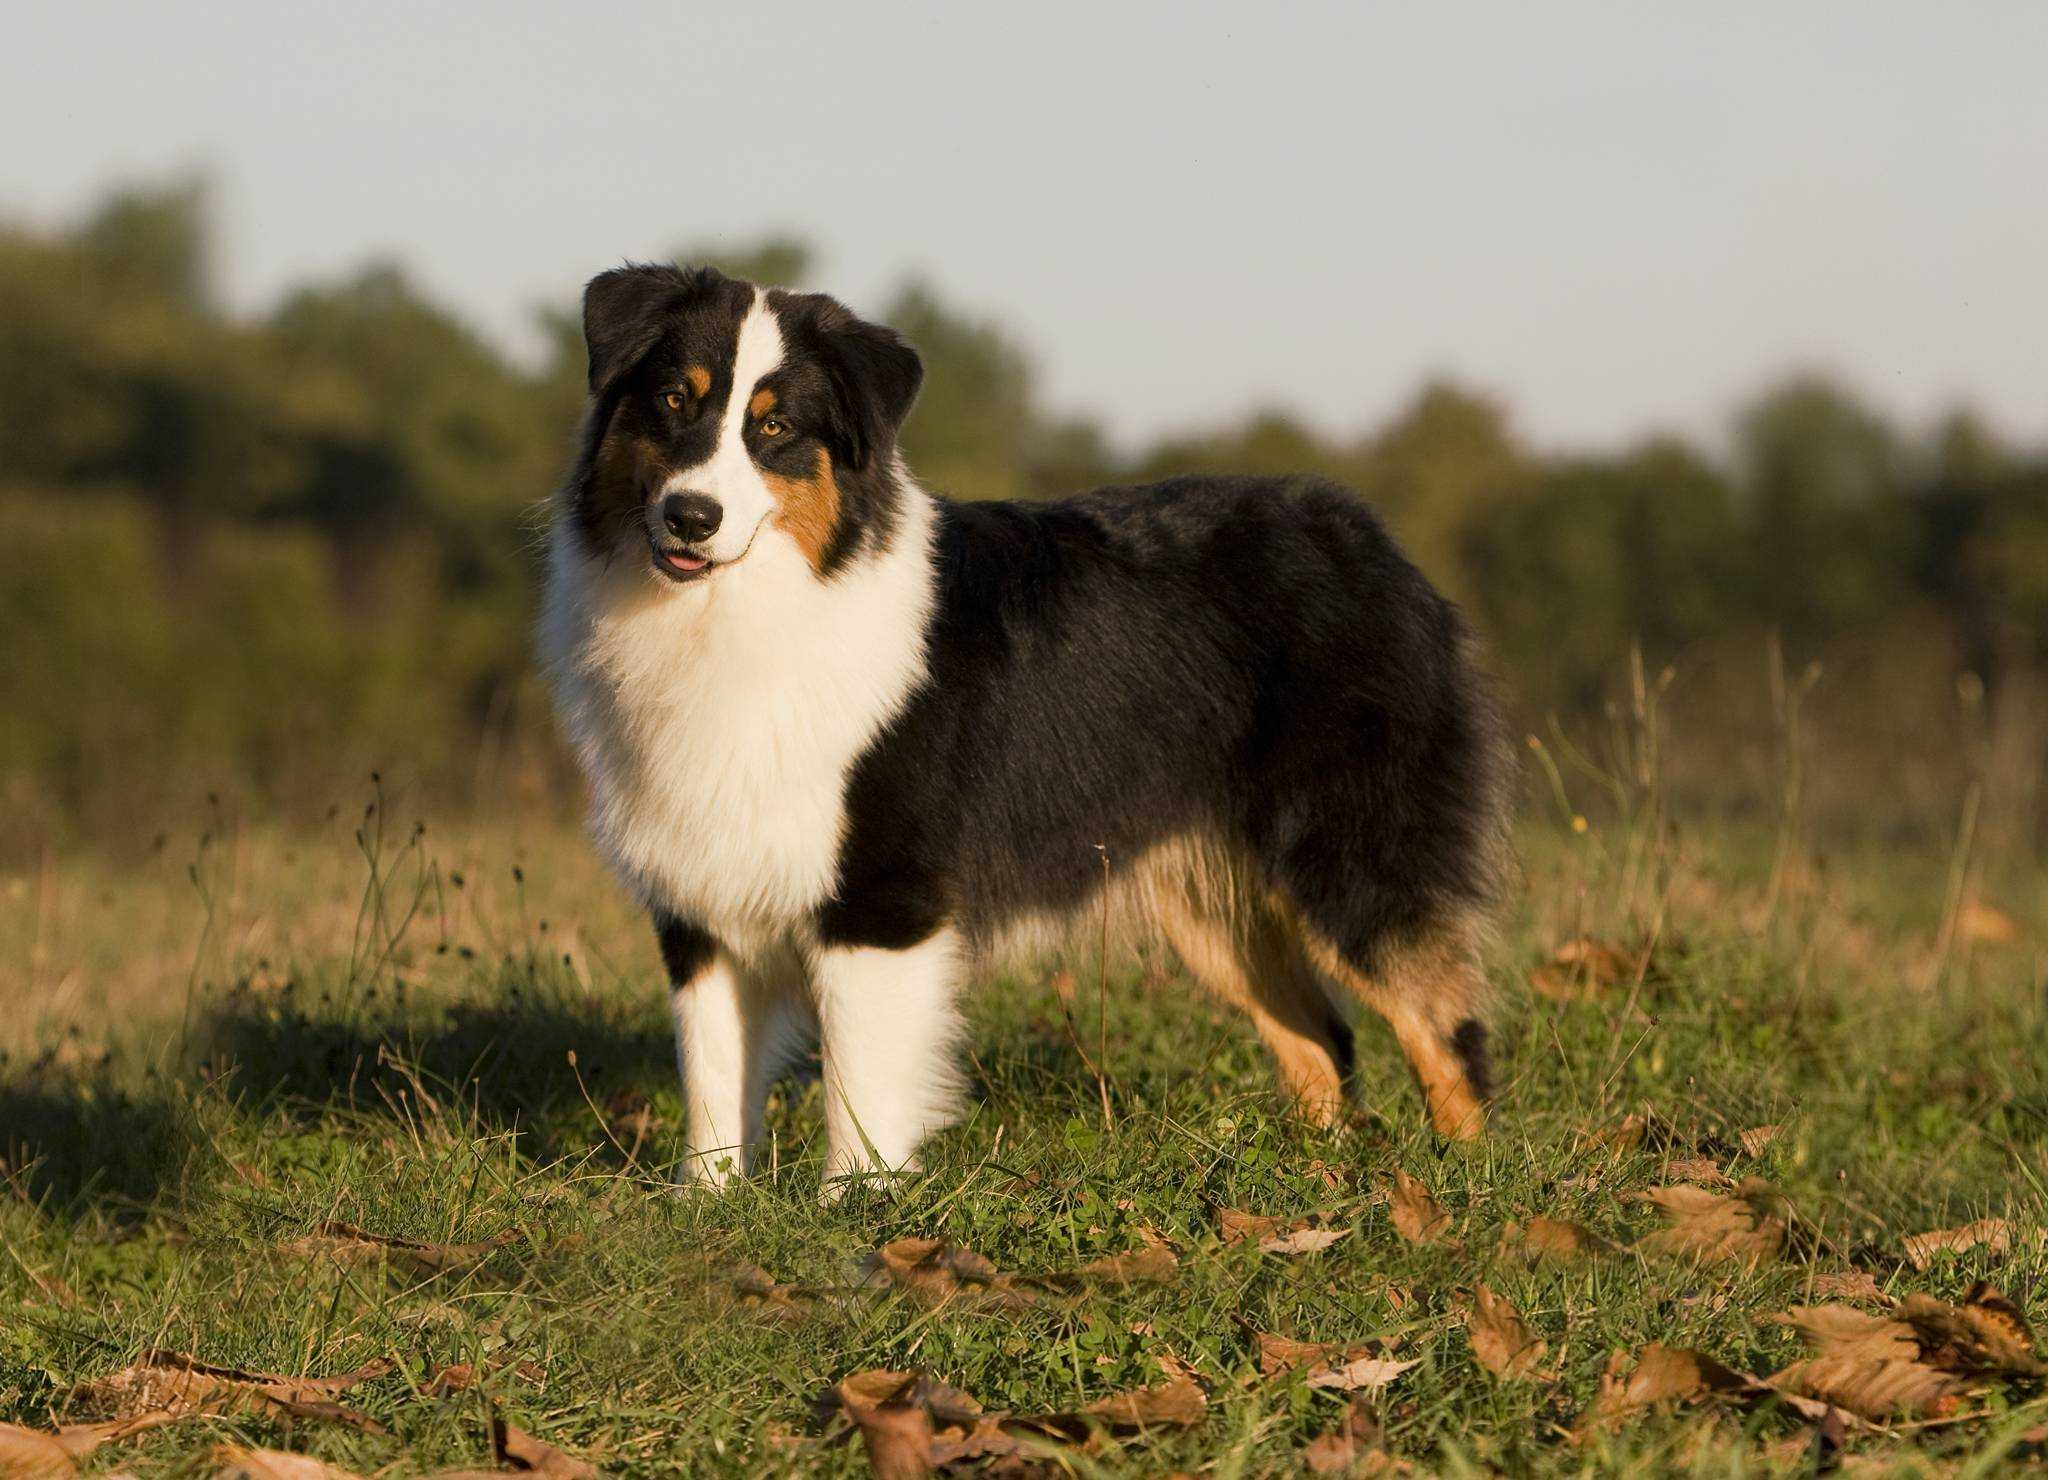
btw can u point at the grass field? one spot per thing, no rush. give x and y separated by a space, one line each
233 1069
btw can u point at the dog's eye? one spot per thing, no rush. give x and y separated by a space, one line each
773 426
673 400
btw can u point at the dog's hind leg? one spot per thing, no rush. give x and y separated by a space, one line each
1253 962
1433 995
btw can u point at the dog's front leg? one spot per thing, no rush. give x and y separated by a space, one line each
725 1021
888 1028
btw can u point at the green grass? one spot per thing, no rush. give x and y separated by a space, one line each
153 1193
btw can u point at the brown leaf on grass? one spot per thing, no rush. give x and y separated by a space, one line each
909 1422
934 1271
26 1451
1853 1284
1661 1375
350 1244
1418 1217
1236 1225
1986 1333
1501 1340
1177 1403
171 1383
1983 923
1584 969
1757 1137
1305 1240
1697 1169
232 1462
1155 1264
1352 1448
1744 1228
1552 1241
1279 1355
1875 1388
1360 1368
518 1450
1992 1234
459 1377
1843 1331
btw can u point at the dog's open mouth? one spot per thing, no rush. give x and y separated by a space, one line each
682 565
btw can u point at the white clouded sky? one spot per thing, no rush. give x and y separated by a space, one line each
1618 215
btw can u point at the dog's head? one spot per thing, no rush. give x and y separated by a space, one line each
723 415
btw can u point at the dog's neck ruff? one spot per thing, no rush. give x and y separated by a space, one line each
718 722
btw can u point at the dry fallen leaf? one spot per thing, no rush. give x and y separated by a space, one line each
1992 1234
1352 1448
1154 1264
461 1376
1662 1374
1843 1331
232 1462
1236 1225
1757 1137
1875 1388
173 1384
1854 1284
1697 1169
1552 1240
1501 1340
1418 1217
350 1244
1746 1227
1583 969
1179 1403
1983 923
1985 1333
1301 1240
1370 1371
34 1453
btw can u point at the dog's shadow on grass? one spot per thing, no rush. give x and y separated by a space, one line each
548 1065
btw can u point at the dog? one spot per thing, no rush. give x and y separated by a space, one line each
846 739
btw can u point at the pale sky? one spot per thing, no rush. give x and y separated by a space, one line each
1617 215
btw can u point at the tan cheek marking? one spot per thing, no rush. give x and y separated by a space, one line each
807 509
762 404
699 380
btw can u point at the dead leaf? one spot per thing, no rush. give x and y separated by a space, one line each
350 1244
1418 1217
1854 1284
1352 1448
1155 1264
1986 1333
1552 1240
232 1462
518 1450
910 1423
1843 1331
934 1271
1698 1169
1179 1403
1279 1355
1661 1375
34 1453
1703 1225
1368 1371
1757 1137
1237 1226
1501 1340
461 1376
174 1384
1983 923
1878 1389
1581 970
1301 1240
1992 1234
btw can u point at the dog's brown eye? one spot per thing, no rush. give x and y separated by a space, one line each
673 400
773 426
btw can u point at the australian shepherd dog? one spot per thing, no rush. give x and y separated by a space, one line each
848 740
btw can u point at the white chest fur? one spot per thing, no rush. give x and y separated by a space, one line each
717 722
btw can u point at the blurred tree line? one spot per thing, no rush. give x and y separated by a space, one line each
251 552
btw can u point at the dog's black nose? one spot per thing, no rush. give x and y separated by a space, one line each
691 517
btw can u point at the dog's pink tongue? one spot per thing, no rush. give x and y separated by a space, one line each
686 561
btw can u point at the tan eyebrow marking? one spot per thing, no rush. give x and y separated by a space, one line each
763 403
699 380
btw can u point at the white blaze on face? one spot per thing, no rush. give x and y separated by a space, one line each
730 474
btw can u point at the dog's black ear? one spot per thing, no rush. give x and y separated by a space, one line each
875 377
623 314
